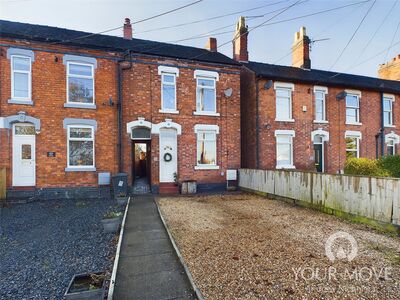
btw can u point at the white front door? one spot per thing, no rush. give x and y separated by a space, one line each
168 154
24 167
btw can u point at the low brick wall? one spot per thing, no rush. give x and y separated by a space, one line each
366 199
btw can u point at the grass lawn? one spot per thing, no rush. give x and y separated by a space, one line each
242 246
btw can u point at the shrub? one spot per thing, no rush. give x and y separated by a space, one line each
365 166
391 163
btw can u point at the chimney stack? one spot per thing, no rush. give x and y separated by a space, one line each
390 70
212 44
127 29
301 50
240 52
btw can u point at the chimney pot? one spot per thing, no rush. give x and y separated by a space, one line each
127 29
301 50
240 52
212 44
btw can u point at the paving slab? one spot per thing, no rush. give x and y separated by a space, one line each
148 266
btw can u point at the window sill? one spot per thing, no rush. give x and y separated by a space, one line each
22 102
81 169
357 124
390 126
204 113
285 167
79 105
289 120
321 122
211 167
176 112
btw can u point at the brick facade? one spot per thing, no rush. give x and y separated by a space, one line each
141 92
304 125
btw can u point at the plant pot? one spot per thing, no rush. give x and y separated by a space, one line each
122 201
82 286
111 225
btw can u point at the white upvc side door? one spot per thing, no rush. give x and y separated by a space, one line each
24 155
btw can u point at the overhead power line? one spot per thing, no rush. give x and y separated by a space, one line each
391 42
211 18
136 22
353 35
377 29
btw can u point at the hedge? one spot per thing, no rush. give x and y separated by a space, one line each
391 163
365 166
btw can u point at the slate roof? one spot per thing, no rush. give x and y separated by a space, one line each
48 34
319 77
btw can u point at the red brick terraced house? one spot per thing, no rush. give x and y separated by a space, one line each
295 117
77 107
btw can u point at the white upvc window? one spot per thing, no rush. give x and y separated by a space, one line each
21 78
352 139
80 83
283 103
80 147
206 146
353 109
206 95
320 104
168 92
391 146
284 149
388 110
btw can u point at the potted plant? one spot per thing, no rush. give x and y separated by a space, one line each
86 286
111 221
122 199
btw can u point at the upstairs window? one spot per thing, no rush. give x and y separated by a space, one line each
80 83
352 109
80 146
283 103
388 111
206 95
320 103
168 92
21 79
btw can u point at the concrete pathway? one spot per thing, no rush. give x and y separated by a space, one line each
148 267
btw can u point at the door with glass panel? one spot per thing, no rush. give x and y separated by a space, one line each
319 153
24 156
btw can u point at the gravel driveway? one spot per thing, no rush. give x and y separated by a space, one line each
45 243
247 247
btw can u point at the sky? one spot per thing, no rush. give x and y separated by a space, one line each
270 44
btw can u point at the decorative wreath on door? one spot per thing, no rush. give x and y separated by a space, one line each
167 157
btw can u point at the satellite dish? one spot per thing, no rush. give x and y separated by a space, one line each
268 85
228 92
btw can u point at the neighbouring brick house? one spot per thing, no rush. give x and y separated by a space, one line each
308 119
76 107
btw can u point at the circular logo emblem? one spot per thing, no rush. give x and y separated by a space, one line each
334 246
